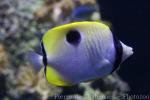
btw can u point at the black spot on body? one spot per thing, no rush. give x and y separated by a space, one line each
73 37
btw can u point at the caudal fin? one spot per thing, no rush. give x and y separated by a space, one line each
127 51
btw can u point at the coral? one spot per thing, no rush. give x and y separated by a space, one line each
52 10
57 11
3 58
83 2
112 86
27 80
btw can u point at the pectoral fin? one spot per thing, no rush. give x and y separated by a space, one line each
103 63
104 67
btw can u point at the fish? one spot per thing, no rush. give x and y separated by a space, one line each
81 52
83 12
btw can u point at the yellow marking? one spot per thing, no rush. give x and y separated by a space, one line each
80 24
53 40
54 78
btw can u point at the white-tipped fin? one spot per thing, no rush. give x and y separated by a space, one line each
127 51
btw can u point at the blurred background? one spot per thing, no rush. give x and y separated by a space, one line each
23 22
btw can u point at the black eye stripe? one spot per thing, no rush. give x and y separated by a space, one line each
119 52
44 57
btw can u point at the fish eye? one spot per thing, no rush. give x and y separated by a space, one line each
73 37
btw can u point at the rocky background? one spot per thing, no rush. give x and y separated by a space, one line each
22 22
